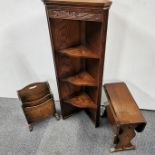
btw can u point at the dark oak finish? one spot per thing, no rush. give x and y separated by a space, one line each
124 115
37 102
78 36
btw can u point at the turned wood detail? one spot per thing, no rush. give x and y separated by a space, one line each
75 15
122 141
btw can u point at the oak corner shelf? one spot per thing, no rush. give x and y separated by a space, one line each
78 35
80 51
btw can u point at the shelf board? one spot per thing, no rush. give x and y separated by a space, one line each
82 79
79 51
82 101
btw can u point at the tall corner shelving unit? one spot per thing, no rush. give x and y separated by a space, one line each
78 36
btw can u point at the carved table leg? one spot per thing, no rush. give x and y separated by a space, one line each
124 140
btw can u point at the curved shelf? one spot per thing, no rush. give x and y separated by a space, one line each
82 79
82 101
37 102
79 51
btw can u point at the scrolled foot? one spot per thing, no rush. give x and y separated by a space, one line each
115 149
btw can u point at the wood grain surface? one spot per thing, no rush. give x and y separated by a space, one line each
123 103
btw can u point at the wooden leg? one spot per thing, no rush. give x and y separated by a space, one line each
124 140
57 116
103 111
30 127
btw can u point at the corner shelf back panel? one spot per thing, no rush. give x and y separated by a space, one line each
67 66
67 89
93 36
66 33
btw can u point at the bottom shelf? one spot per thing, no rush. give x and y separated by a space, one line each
82 101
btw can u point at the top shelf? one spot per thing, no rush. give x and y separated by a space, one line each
98 3
79 51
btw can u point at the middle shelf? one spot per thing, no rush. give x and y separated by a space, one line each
81 79
79 51
82 101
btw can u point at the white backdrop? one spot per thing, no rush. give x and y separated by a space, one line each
25 52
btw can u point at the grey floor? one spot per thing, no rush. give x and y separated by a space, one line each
74 136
